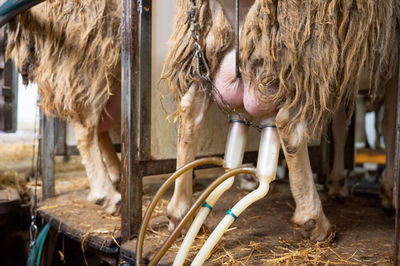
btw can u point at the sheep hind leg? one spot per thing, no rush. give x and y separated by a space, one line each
102 191
194 105
337 182
309 213
389 136
110 157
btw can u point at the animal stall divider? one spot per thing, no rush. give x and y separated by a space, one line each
135 110
8 89
396 246
47 148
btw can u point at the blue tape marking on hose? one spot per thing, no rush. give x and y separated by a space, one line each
229 212
205 204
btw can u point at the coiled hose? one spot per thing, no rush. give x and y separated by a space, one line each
204 161
174 235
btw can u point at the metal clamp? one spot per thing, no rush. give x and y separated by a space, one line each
33 230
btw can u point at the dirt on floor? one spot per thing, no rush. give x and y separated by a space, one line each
264 234
17 167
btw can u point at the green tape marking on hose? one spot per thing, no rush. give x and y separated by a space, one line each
229 212
205 204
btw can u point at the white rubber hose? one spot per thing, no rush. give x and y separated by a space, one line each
234 152
266 170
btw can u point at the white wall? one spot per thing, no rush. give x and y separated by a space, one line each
27 101
27 98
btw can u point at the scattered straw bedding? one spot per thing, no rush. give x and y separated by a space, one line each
364 231
307 56
264 235
16 171
266 238
15 166
15 152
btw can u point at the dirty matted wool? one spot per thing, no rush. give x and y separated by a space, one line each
319 52
216 36
306 56
71 49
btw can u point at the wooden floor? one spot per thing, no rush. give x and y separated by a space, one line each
264 235
82 221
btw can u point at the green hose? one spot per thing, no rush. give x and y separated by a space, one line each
37 249
45 231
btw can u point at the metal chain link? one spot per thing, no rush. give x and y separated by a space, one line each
33 230
139 6
203 70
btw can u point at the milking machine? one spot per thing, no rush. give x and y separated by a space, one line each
267 163
266 169
234 152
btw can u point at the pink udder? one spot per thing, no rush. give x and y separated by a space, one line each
236 92
111 113
228 85
253 105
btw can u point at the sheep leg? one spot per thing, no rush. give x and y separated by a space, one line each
193 107
308 213
102 191
389 135
110 157
377 127
337 182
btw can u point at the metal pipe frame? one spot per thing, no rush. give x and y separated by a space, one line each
396 246
136 107
47 155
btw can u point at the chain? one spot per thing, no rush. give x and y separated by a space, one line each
203 70
33 229
139 6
